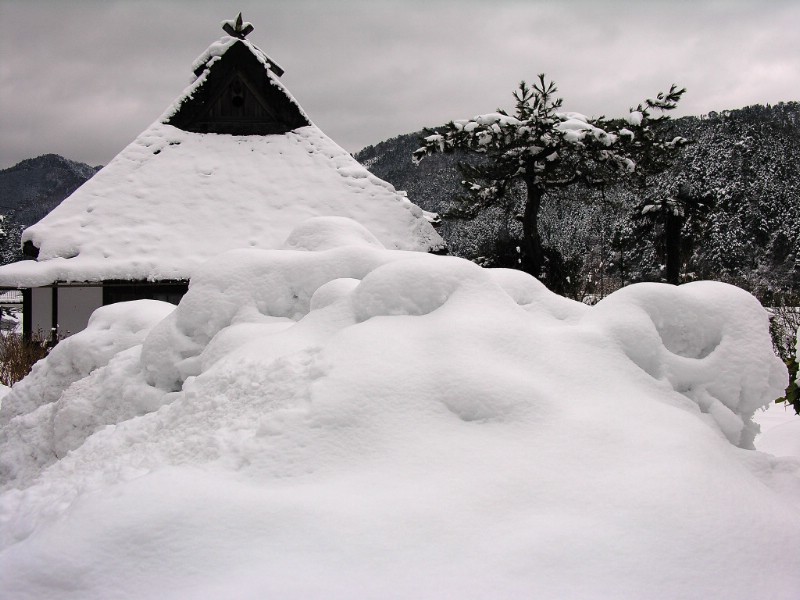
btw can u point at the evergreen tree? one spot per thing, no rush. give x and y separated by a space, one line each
678 214
652 144
539 147
649 137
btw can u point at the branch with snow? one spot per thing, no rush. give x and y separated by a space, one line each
539 143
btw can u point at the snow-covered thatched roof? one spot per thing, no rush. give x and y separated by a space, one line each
176 197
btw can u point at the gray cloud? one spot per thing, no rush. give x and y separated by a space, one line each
84 78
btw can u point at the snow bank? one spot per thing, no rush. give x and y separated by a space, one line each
56 407
348 421
779 430
779 426
704 344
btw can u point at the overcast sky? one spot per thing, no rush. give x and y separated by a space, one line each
82 78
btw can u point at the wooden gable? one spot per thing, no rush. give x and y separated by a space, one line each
238 98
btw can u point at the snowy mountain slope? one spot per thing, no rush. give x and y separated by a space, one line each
32 188
334 419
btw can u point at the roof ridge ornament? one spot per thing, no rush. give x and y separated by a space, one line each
237 28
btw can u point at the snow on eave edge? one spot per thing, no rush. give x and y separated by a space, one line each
60 270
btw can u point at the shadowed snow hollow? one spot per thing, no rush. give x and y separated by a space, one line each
335 419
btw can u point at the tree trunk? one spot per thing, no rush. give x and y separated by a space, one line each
533 256
672 233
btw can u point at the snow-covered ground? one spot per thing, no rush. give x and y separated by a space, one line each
780 430
339 420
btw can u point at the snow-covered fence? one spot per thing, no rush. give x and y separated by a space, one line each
13 297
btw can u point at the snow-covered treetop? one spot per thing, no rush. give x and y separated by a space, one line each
533 143
549 147
647 136
576 127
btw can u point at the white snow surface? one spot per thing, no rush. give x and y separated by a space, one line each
635 118
780 426
780 430
350 421
576 127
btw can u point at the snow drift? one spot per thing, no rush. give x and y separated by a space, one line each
335 419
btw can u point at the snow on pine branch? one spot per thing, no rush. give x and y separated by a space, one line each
539 142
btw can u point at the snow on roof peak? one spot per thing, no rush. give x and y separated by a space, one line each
222 45
203 64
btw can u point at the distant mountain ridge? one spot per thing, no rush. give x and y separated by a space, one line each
31 189
747 158
55 161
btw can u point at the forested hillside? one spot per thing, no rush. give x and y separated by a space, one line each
31 189
746 159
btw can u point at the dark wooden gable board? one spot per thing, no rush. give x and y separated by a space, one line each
238 98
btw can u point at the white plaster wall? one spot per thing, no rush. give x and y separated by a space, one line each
41 310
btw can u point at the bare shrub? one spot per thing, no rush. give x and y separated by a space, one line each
784 324
18 355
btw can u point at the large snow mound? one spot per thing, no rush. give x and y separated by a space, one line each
52 412
356 422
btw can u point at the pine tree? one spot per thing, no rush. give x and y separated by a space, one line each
652 145
539 147
679 212
648 136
